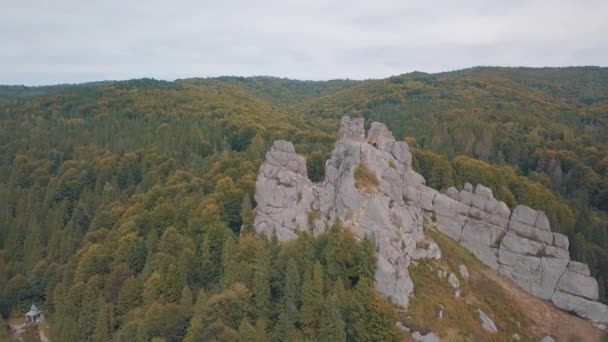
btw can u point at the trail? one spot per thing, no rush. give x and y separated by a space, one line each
19 329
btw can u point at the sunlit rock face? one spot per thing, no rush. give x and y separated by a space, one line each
391 209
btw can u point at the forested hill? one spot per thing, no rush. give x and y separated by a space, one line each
122 201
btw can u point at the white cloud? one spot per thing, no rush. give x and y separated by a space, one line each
75 41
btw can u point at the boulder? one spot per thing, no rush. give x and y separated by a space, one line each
578 284
585 308
464 271
487 323
579 267
524 214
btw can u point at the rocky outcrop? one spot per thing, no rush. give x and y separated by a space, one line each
284 192
287 201
390 211
519 245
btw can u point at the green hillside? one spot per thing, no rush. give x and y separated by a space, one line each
121 202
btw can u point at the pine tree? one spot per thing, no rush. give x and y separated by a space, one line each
247 332
103 326
196 328
261 284
358 313
312 299
288 315
230 263
172 284
206 263
332 325
186 298
152 288
247 216
366 258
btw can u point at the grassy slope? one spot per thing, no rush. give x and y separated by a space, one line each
512 310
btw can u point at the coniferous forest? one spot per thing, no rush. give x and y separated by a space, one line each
126 207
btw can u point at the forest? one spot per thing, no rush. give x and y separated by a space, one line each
126 207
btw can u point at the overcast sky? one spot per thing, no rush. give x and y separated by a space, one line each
61 41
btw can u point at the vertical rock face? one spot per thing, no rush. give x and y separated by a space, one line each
288 201
283 192
390 207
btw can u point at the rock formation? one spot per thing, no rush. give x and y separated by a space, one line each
519 245
287 201
388 204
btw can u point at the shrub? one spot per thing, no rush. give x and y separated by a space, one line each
365 179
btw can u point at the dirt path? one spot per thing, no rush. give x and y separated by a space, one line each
18 328
546 318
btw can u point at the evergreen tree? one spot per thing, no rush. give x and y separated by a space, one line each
103 326
261 284
153 288
312 299
172 284
247 216
230 263
332 325
285 329
196 328
247 332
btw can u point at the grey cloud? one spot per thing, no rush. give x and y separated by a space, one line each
46 42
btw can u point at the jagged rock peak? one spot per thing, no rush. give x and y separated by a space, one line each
351 129
287 201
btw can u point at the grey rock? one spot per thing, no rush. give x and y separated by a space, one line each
401 152
547 339
402 327
524 214
487 323
578 284
452 193
453 280
380 137
439 311
465 197
484 191
464 271
531 232
585 308
542 222
561 241
351 129
481 239
515 337
579 267
468 187
429 337
390 213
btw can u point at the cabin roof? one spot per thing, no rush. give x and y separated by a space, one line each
33 311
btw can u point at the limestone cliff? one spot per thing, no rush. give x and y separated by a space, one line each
371 187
